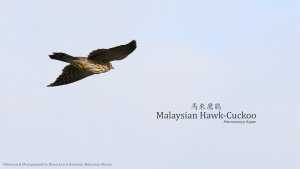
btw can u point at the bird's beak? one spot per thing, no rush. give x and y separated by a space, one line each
112 67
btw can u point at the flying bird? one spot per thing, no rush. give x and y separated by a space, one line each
98 61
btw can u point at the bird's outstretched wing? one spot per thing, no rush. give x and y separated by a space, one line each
111 54
70 74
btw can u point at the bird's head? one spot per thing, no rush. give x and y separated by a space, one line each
110 66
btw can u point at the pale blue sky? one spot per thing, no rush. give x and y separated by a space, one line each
242 54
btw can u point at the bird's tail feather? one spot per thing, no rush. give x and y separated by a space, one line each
61 56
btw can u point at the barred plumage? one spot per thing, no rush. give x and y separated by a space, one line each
97 62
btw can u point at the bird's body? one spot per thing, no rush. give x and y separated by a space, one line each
85 64
97 62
